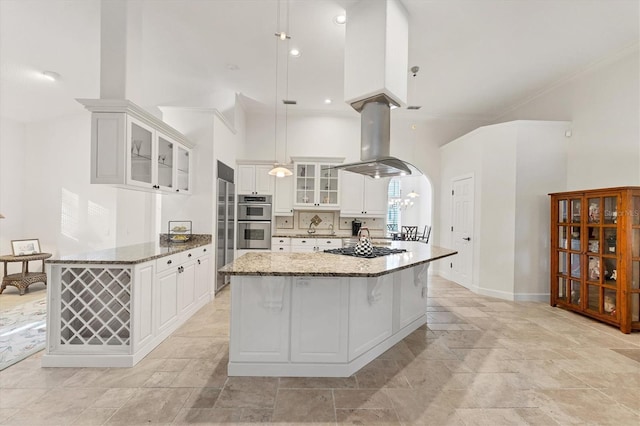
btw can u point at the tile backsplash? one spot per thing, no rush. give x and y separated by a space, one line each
299 223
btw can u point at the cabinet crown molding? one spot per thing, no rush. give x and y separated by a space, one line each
127 107
318 159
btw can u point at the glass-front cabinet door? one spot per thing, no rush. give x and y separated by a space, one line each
305 187
183 170
165 162
142 151
329 194
634 303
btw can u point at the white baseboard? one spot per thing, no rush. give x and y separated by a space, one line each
532 297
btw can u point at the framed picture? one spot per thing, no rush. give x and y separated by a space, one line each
25 247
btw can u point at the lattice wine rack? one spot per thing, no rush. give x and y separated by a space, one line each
95 307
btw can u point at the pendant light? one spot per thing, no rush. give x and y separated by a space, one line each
282 35
414 72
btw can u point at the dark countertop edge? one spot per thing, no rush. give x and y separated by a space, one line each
336 274
178 249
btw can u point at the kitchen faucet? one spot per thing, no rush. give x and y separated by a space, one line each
311 231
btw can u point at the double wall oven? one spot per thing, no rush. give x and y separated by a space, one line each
254 222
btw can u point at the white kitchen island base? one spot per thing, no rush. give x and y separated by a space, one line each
305 326
111 308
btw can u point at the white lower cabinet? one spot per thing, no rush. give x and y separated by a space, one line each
314 244
167 300
204 286
412 287
370 312
319 315
281 244
186 287
143 315
260 309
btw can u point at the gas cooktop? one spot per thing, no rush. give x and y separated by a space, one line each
377 251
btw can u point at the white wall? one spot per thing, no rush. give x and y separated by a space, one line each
514 165
541 164
458 158
604 107
68 214
497 209
12 185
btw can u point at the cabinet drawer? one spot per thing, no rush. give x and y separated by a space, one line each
168 262
201 251
303 242
280 241
329 243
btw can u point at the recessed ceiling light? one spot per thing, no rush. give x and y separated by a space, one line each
340 19
327 101
51 75
294 52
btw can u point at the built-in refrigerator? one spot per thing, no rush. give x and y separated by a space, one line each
225 229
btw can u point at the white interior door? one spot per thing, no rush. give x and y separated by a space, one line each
462 230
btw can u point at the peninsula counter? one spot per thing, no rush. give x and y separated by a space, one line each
324 315
110 308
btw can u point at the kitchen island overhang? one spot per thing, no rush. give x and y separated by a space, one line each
324 315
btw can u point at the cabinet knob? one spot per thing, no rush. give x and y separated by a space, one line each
169 262
198 261
204 250
189 255
177 190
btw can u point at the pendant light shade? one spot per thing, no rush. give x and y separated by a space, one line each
280 171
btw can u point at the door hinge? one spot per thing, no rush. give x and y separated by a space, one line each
452 192
452 229
451 265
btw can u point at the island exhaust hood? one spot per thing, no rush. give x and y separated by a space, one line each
376 69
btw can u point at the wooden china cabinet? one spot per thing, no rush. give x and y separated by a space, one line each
595 254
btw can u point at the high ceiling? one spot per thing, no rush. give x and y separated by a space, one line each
477 58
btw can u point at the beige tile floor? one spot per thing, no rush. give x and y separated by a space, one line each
479 361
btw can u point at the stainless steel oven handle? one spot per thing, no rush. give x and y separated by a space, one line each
254 204
255 221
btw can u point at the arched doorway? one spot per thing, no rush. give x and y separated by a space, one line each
410 203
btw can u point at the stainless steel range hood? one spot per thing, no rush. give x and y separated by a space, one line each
376 58
375 135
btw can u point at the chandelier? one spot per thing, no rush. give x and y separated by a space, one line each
401 203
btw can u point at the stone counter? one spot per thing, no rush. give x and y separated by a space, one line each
320 264
133 254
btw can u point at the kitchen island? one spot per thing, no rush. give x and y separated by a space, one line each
110 308
321 314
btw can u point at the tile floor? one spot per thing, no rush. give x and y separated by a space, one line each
479 361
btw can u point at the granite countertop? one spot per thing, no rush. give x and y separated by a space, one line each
322 264
133 254
316 235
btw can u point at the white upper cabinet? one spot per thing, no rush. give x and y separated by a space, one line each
255 179
362 196
316 185
133 149
283 198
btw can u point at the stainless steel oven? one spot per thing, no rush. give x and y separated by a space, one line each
254 222
254 207
254 234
